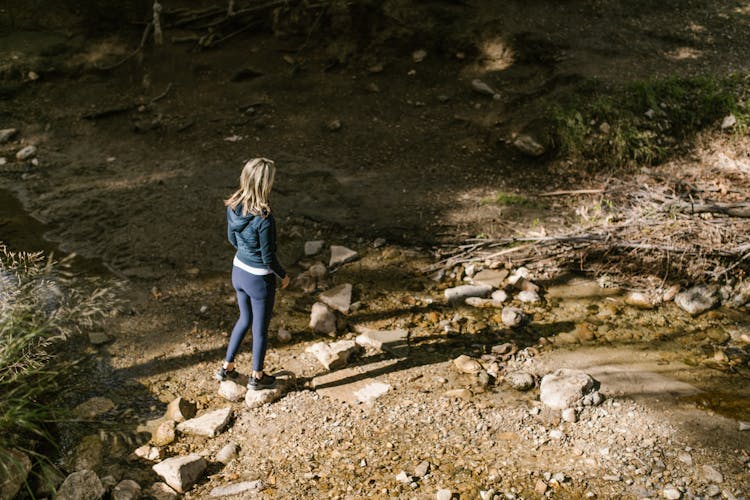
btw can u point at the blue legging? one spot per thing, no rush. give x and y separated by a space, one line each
255 298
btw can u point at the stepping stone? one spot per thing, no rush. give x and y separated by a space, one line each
209 424
565 388
256 399
334 355
232 391
391 341
341 255
180 473
338 298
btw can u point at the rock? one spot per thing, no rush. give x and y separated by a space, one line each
490 277
513 317
88 453
570 415
503 349
467 364
334 355
481 303
180 409
685 458
744 426
403 477
180 473
318 271
256 399
457 295
369 393
98 338
93 407
341 255
517 275
528 145
639 300
729 121
394 342
379 242
150 453
740 295
209 425
520 381
283 335
15 470
161 491
459 394
227 453
81 485
238 488
499 296
540 487
671 493
7 134
334 125
712 475
525 285
556 434
338 298
697 299
126 489
313 247
322 319
670 293
481 87
528 296
564 388
164 434
712 490
26 153
418 55
232 391
444 494
422 469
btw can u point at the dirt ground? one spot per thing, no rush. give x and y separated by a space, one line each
133 164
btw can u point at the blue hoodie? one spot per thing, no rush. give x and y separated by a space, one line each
254 237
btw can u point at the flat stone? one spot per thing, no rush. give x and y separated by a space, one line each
126 489
512 317
81 485
322 319
491 277
209 424
180 473
232 391
467 364
697 300
7 134
99 338
256 399
520 381
164 434
712 475
161 491
394 342
26 153
334 355
237 488
93 407
338 298
227 453
564 388
313 247
341 255
17 471
180 409
458 294
372 391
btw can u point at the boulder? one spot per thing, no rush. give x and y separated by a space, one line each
565 388
232 391
513 317
697 300
334 355
126 490
209 424
322 319
180 473
81 485
313 247
338 298
17 467
458 294
164 434
180 409
491 277
341 255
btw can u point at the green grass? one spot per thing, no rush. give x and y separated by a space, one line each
41 307
646 122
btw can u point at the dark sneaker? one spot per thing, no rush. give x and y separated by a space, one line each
265 382
222 374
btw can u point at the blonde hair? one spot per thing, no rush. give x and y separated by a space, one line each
256 180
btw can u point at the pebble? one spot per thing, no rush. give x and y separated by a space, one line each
467 364
313 247
556 434
26 153
403 477
283 335
671 493
418 55
161 491
444 494
227 453
569 415
744 426
81 485
713 490
520 381
528 296
729 121
529 146
7 134
241 488
512 317
422 469
481 87
711 474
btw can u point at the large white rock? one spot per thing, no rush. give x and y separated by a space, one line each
491 277
392 341
322 319
180 473
180 409
313 247
338 298
334 355
232 391
81 485
209 424
17 471
341 255
126 489
697 299
237 488
458 294
564 388
369 393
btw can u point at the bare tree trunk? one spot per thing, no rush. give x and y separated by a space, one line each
158 39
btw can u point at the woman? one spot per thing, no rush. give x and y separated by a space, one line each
252 231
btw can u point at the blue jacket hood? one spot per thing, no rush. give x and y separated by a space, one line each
237 221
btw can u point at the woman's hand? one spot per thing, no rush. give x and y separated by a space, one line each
285 282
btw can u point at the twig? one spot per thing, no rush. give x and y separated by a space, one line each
578 191
144 37
162 95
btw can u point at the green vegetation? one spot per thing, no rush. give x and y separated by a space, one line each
647 121
502 198
40 308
